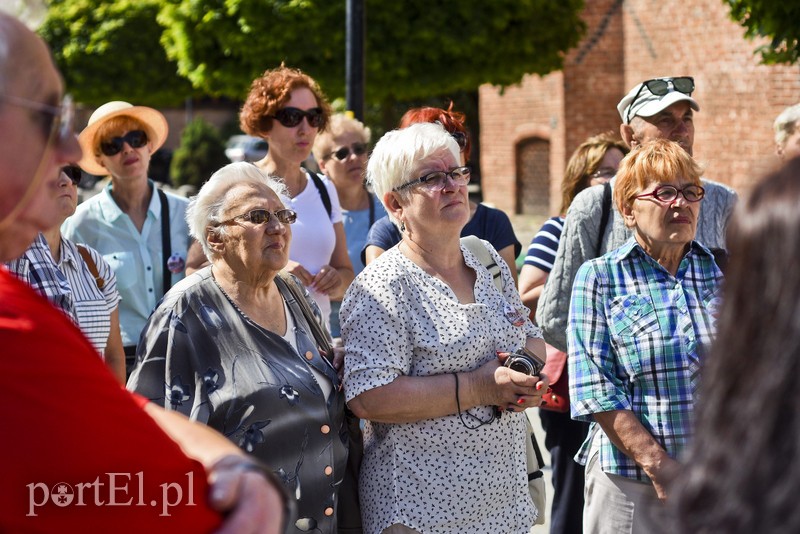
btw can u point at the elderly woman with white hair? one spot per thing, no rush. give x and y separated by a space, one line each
230 346
425 331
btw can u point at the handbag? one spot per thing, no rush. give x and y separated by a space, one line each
348 515
555 369
533 455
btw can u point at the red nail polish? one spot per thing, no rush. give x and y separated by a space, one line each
538 386
520 401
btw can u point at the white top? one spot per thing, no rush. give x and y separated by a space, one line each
313 237
436 475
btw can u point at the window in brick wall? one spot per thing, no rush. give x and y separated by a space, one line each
533 176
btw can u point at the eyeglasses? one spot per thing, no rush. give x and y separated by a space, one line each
291 117
436 181
359 149
134 138
262 216
74 173
661 87
60 120
668 193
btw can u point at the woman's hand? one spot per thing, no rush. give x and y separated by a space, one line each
337 360
508 389
305 277
326 280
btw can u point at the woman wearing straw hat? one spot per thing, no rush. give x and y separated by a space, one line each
139 229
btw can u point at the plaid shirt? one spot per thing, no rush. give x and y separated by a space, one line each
37 267
636 335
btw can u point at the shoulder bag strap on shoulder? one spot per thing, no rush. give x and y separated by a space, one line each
166 245
604 217
323 191
480 251
317 331
87 259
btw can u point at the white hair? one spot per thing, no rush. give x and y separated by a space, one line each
400 154
786 123
205 207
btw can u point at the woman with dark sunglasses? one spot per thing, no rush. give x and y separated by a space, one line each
139 229
341 152
75 278
287 108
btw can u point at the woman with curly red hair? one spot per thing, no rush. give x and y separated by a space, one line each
287 108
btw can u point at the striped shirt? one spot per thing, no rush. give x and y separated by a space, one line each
543 247
636 338
71 287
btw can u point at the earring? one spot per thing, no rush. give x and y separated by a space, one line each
402 226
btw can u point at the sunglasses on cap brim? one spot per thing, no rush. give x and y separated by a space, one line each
661 87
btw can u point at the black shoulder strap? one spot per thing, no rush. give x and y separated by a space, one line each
317 331
371 209
166 244
323 191
604 217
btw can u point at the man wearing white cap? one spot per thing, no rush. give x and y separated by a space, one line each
139 229
660 108
787 133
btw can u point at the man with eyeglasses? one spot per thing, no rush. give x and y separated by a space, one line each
660 108
80 450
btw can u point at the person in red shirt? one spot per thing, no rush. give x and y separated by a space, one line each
79 451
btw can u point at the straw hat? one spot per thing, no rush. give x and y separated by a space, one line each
154 122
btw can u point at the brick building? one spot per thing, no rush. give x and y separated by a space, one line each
529 131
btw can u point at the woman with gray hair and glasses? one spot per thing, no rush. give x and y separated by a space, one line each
423 326
231 346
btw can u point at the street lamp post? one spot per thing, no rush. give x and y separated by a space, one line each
356 24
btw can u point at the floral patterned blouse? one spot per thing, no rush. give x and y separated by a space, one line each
201 356
436 475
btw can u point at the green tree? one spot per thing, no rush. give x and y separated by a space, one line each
111 51
415 48
200 154
779 21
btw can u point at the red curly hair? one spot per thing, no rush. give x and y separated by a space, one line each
270 92
452 121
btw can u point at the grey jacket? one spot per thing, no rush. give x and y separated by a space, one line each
578 244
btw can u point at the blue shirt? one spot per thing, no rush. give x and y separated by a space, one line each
636 338
356 226
489 224
136 258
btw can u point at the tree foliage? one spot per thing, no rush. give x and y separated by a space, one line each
200 154
414 49
111 51
777 20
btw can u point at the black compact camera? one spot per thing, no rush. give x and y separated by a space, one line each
524 361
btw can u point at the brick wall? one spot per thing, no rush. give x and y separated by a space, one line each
625 43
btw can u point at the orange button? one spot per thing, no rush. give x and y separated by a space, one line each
328 470
309 355
325 429
329 511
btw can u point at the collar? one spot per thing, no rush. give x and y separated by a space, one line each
111 211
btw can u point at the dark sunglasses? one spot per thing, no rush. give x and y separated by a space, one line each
662 86
291 117
74 173
262 216
359 149
134 138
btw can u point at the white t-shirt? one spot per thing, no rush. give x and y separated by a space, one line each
313 237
